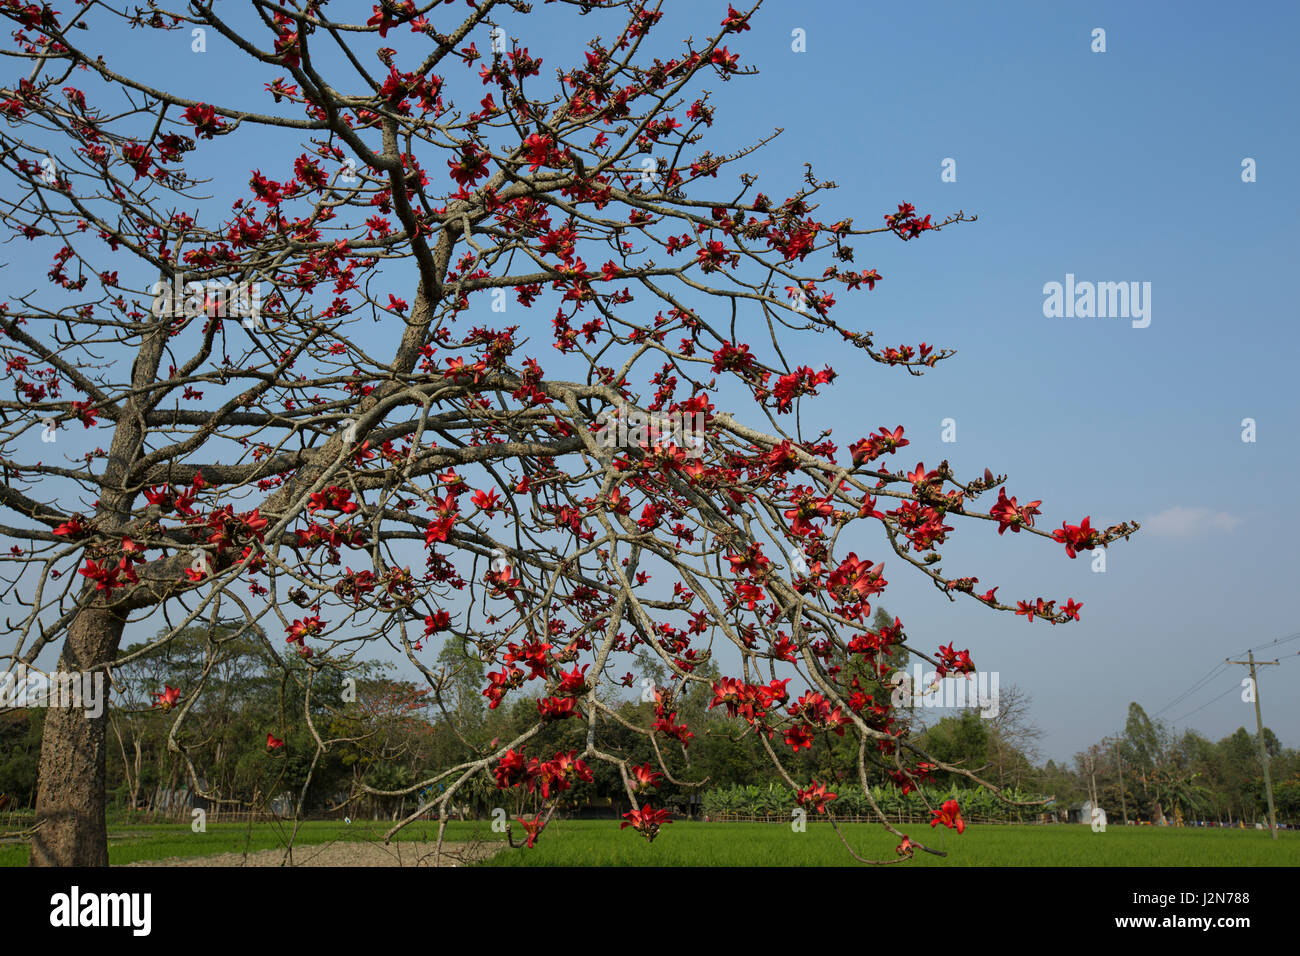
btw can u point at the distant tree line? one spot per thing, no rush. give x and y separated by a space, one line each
245 746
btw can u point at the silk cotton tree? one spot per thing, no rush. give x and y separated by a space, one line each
309 412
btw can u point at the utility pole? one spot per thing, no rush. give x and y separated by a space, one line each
1123 804
1259 725
1092 775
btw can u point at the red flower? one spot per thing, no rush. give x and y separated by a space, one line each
950 816
1076 538
752 561
736 22
646 821
533 828
904 848
801 381
512 770
806 508
139 158
470 167
438 530
920 477
574 682
856 580
106 575
205 120
645 777
725 60
168 698
266 190
85 413
798 736
539 151
332 498
74 527
749 595
649 519
815 795
531 653
905 224
488 501
385 16
438 621
562 771
1008 515
958 662
873 446
1039 608
304 628
273 742
669 727
558 708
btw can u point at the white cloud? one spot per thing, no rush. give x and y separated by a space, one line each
1180 522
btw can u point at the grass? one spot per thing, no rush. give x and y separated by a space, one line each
136 842
686 843
599 843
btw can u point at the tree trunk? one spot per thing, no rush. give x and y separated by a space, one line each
135 787
70 802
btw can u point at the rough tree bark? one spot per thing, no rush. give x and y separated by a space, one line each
70 824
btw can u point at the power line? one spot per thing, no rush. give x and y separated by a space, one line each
1206 704
1214 672
1274 643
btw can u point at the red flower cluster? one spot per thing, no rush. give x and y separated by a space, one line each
950 816
807 508
955 662
814 709
559 773
645 821
815 795
856 580
749 701
873 446
508 678
109 576
558 708
802 381
1076 538
905 224
332 498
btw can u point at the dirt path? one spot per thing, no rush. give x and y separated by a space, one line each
342 854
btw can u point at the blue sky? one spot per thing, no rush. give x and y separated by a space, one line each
1115 166
1122 166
